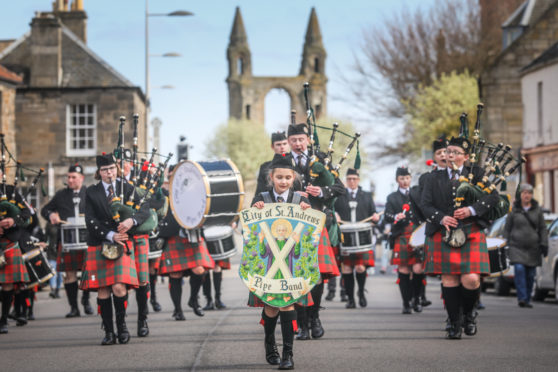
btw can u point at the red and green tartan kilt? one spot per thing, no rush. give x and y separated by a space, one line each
14 271
326 257
179 255
354 259
224 264
141 250
254 301
98 272
403 252
70 261
471 258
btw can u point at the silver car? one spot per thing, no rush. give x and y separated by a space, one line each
546 279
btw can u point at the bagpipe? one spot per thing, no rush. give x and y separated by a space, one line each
491 165
146 182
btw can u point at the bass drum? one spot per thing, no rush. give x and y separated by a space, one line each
206 193
498 255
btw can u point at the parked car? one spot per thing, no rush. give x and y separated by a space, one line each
546 279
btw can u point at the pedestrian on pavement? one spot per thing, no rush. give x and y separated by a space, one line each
527 238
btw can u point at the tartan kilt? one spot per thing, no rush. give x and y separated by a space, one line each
141 249
70 261
363 258
403 252
98 272
224 264
254 301
326 258
471 258
14 271
179 255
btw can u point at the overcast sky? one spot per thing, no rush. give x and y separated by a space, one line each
199 102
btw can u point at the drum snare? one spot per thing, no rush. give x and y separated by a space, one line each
38 267
357 238
498 256
220 242
73 235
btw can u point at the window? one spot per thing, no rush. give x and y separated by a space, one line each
248 112
540 109
240 66
81 130
318 111
316 65
553 229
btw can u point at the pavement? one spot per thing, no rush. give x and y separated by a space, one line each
375 338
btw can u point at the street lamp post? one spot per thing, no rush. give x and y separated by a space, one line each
177 13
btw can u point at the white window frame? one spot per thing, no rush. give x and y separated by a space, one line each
69 126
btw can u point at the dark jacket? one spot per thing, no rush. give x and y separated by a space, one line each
98 217
20 219
259 197
262 177
364 209
526 232
437 199
394 206
63 203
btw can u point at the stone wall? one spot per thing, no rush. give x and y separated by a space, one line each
7 115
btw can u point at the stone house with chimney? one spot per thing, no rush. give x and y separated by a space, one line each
69 100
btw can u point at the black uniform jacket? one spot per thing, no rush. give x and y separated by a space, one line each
438 199
364 209
259 197
63 203
98 217
394 206
262 177
22 217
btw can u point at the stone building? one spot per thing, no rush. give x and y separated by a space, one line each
70 99
8 83
539 88
247 92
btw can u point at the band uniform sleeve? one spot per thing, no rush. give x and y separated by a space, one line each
431 213
486 203
337 189
24 218
262 179
142 214
372 206
50 207
94 227
390 210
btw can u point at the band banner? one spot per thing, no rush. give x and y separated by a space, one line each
279 261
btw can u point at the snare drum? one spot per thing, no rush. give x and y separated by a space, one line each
220 242
38 268
356 238
206 193
73 237
418 236
498 255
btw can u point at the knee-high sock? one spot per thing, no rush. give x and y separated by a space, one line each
71 293
349 281
84 296
288 328
361 280
106 313
317 292
332 284
452 299
469 299
417 285
7 297
152 285
302 316
405 288
19 299
207 285
195 284
176 292
30 299
120 304
141 299
217 278
269 325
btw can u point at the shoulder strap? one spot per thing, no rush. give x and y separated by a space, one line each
266 197
296 198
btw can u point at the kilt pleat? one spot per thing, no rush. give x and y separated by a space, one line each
471 258
14 271
403 252
363 258
141 250
224 264
179 255
326 257
98 272
70 261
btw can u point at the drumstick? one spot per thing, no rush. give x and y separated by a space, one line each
370 218
63 222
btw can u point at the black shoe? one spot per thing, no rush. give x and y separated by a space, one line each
219 304
316 327
330 296
56 294
470 323
12 315
110 339
87 306
20 320
350 304
143 329
51 294
407 309
424 302
303 334
520 304
287 360
74 313
193 303
178 315
271 352
454 332
344 297
123 334
448 325
417 307
3 328
362 299
528 305
155 305
210 305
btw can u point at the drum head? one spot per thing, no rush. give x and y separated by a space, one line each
493 243
188 189
418 236
217 232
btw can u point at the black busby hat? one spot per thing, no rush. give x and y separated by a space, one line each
105 159
460 142
76 168
402 171
282 161
440 143
278 136
297 129
352 172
